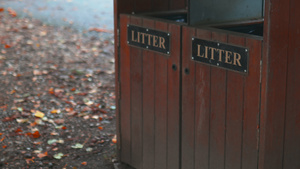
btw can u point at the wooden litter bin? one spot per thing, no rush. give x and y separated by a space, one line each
208 84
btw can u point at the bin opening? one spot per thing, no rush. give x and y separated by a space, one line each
256 28
176 16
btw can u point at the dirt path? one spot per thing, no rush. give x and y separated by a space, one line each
56 97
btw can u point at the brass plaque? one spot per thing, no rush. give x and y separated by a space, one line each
148 39
222 55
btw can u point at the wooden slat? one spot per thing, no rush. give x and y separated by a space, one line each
188 100
274 83
234 113
117 77
148 104
173 148
143 6
125 138
292 122
159 5
177 4
125 6
251 106
161 105
202 109
218 111
136 102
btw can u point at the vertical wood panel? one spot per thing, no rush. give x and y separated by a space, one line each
117 76
252 106
274 83
125 6
125 115
136 102
202 109
148 104
218 111
234 115
160 5
177 4
292 122
173 98
143 6
188 100
161 105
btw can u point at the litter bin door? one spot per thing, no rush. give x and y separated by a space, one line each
220 105
149 95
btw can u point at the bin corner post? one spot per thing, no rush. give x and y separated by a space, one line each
117 77
278 147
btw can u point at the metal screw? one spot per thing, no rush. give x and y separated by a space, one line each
168 52
246 50
127 25
193 58
218 44
193 38
147 30
147 47
168 34
245 71
132 13
218 64
127 41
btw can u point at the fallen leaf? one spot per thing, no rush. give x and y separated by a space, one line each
100 30
42 155
4 146
114 140
56 111
7 46
1 9
39 114
52 141
1 134
58 156
18 130
2 139
36 134
77 145
12 12
59 121
22 120
101 128
84 163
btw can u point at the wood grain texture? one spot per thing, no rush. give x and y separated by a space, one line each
218 111
174 67
292 121
148 103
202 109
141 6
125 95
274 84
117 77
136 96
251 106
177 4
234 115
188 100
161 105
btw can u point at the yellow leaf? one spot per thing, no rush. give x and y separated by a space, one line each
39 114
